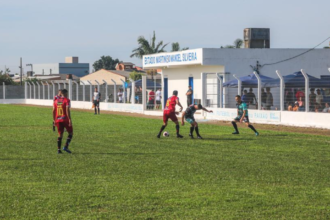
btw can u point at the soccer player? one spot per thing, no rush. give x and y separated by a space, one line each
189 116
169 112
242 115
62 119
96 100
59 94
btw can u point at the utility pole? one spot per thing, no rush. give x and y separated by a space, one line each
21 72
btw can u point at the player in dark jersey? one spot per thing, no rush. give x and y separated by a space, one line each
189 116
62 119
242 115
169 113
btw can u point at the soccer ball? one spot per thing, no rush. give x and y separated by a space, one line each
166 134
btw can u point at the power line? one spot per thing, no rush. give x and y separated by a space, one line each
268 64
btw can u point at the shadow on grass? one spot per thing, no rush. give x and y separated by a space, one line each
119 153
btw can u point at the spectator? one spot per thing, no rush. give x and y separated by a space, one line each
312 100
139 93
290 108
158 98
300 101
327 108
151 99
319 98
120 96
136 89
263 97
245 98
252 97
302 106
289 99
300 94
269 99
189 94
296 106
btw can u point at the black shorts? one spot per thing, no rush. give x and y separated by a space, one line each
245 119
157 102
96 103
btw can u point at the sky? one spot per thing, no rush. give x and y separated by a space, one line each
47 31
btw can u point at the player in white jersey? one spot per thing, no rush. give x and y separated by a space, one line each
96 100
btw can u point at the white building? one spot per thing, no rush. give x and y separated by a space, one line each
71 66
199 67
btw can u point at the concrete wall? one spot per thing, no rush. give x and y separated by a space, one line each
40 69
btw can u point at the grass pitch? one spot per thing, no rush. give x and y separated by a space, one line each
120 170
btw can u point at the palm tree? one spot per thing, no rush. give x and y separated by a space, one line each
146 47
176 47
238 43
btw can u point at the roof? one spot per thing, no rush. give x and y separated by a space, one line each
127 63
61 76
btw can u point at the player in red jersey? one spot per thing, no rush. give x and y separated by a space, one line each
59 95
169 112
62 119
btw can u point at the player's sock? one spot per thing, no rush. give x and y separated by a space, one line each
59 143
235 126
161 130
253 129
197 131
95 110
98 109
177 127
68 140
191 131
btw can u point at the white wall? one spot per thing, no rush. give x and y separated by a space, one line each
178 79
37 68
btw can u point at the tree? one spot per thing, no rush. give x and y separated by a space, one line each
151 73
5 78
176 47
106 62
135 75
146 47
238 43
32 80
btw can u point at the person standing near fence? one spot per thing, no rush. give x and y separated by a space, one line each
96 100
158 98
120 96
269 99
189 95
151 103
62 119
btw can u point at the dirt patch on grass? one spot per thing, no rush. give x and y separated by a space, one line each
280 128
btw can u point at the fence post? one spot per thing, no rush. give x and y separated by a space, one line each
38 90
239 85
115 91
48 96
4 90
162 98
70 89
25 90
281 90
124 95
83 90
306 90
77 89
144 89
98 85
90 90
221 89
53 88
133 91
30 86
106 90
259 89
34 90
43 90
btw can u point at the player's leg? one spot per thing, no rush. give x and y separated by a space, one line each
192 127
252 127
98 107
176 122
235 125
60 130
68 140
95 106
197 130
165 119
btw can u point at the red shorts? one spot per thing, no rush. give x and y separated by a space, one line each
64 124
170 115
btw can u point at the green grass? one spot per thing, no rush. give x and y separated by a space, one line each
120 170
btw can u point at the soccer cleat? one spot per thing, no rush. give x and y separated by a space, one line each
158 136
67 150
192 136
59 151
179 136
235 132
199 137
257 133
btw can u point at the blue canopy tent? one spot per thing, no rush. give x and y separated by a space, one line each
150 84
249 81
297 80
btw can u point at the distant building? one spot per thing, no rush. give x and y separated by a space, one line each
107 75
71 66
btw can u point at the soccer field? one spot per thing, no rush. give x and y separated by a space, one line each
120 170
